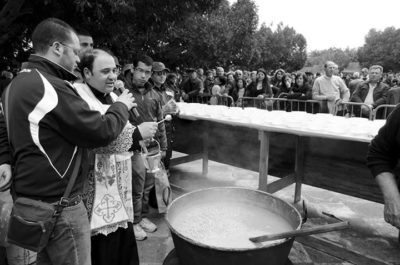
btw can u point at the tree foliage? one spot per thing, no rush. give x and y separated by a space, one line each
178 32
282 48
381 47
341 57
124 26
222 37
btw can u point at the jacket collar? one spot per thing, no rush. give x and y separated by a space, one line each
366 84
161 88
147 87
45 65
102 97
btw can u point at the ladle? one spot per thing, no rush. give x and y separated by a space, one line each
302 232
167 118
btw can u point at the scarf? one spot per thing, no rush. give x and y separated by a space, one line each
108 191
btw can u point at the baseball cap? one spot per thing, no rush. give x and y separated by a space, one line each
159 66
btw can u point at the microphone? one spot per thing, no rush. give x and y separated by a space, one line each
135 112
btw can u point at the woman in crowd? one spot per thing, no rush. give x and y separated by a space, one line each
300 91
108 190
260 89
171 85
286 87
283 92
230 77
277 81
293 78
216 95
208 83
239 92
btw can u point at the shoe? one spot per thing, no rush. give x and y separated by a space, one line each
140 234
147 225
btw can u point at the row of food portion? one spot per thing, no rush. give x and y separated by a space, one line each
296 122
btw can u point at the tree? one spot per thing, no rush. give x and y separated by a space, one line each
124 26
381 47
243 21
203 39
341 57
221 37
178 32
282 48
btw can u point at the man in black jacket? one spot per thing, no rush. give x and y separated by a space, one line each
168 105
192 86
47 123
372 92
383 156
149 110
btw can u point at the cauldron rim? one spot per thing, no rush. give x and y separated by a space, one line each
191 241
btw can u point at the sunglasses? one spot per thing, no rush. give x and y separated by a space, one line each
161 73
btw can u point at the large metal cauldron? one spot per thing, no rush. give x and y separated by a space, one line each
191 252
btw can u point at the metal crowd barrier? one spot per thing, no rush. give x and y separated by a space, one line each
311 106
226 100
382 111
348 109
353 109
203 99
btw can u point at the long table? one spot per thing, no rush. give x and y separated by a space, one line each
327 160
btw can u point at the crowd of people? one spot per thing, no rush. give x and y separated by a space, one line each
70 98
236 87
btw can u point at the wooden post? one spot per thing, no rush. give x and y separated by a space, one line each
205 151
264 156
299 168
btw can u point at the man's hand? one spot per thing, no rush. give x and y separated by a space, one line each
148 129
391 196
391 212
365 110
331 98
170 107
163 154
5 177
127 99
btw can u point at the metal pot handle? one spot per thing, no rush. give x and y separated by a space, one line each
302 232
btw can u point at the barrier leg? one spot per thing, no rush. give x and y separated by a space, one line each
299 168
264 157
205 153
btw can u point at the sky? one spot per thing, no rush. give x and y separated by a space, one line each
325 24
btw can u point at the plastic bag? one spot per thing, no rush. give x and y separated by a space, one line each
162 189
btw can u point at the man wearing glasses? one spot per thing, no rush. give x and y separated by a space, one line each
48 122
149 110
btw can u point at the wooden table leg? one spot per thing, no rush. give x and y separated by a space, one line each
264 156
205 153
299 168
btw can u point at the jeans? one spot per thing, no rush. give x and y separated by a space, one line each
70 242
141 186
